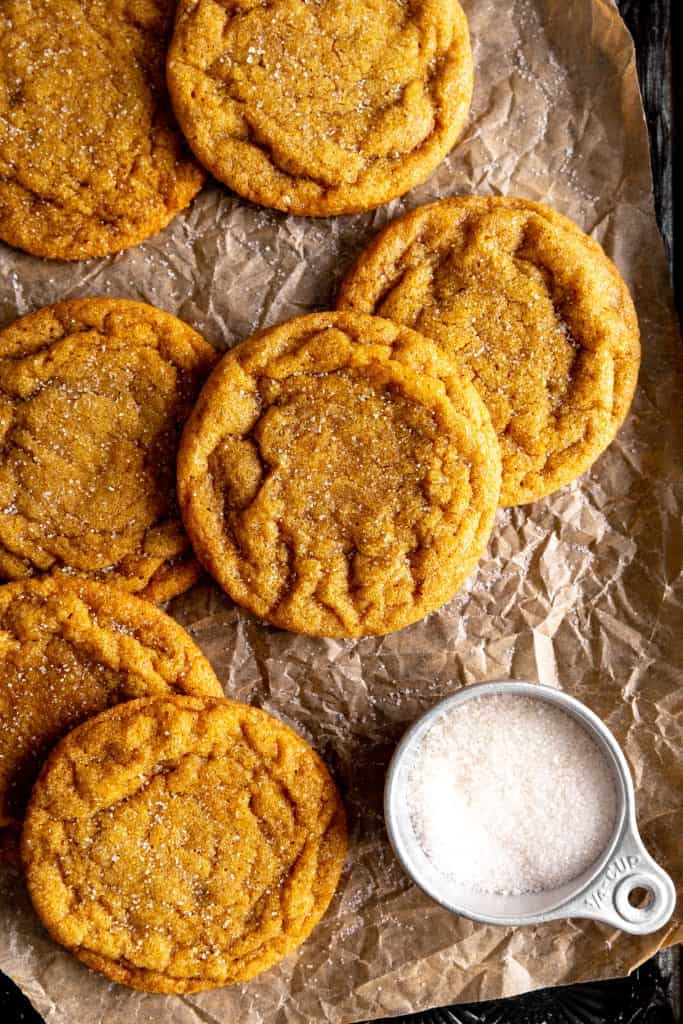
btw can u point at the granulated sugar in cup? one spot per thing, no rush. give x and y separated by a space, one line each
512 803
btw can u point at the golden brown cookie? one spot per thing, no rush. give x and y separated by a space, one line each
538 317
93 395
337 477
70 648
183 843
320 107
91 160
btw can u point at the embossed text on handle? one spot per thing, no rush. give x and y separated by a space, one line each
618 867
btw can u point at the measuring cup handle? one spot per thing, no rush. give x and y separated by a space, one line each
630 868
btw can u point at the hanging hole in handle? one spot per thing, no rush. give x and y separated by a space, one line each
641 897
637 897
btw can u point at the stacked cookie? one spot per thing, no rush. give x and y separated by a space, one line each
338 475
176 841
340 472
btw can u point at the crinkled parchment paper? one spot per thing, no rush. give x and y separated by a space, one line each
582 590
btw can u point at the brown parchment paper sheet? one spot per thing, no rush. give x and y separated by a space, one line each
582 590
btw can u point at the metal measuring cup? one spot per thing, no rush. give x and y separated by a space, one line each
601 892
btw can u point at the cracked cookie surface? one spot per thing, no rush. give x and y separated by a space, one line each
320 107
537 316
91 160
337 476
178 844
70 648
93 396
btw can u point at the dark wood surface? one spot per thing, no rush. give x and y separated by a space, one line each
653 994
657 29
650 22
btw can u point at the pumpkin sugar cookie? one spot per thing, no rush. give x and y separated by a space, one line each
91 160
93 395
320 108
538 317
70 648
337 476
178 844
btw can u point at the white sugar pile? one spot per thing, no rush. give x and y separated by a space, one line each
510 794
